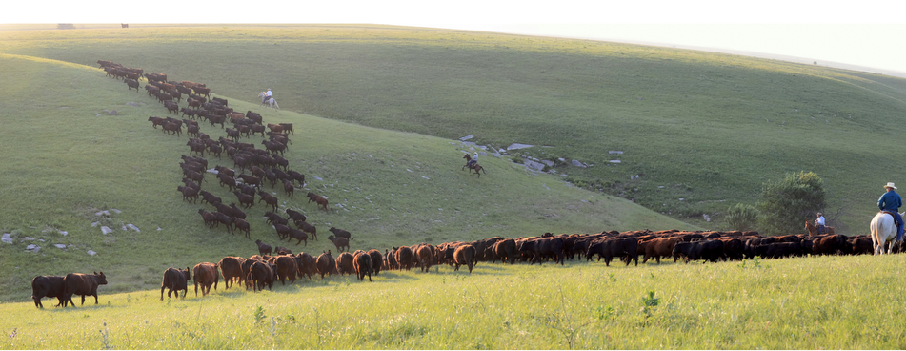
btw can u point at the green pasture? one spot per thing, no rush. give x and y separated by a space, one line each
701 131
66 160
804 303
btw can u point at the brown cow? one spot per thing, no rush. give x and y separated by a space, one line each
362 265
657 248
403 256
376 260
320 200
175 280
326 264
464 255
505 250
344 264
286 268
205 273
231 268
340 243
425 257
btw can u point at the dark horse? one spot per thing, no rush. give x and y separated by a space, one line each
476 167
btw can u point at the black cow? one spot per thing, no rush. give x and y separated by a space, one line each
82 284
699 250
47 286
624 248
175 280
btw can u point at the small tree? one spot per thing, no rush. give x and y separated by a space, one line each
742 217
787 204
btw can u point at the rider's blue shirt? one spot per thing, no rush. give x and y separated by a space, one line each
890 201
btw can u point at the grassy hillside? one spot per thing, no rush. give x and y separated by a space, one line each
67 158
805 303
702 131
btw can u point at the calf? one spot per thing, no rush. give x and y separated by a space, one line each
340 243
175 280
205 274
340 233
264 248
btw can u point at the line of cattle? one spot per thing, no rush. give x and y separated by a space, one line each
263 269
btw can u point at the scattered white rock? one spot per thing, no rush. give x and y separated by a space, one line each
426 177
614 161
616 152
27 238
538 166
106 230
94 224
116 211
7 238
467 137
92 253
318 178
32 248
579 164
63 232
409 170
517 146
158 229
706 217
548 162
102 213
133 227
60 246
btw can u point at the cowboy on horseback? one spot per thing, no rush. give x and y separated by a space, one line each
890 203
473 161
819 222
267 96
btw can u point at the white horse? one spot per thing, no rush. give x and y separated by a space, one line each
271 101
883 229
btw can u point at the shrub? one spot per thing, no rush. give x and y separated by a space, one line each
786 204
742 217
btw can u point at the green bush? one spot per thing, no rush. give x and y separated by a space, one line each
785 205
742 217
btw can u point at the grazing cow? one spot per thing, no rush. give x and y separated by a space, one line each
326 264
286 268
205 274
47 286
264 248
362 265
340 233
340 243
175 280
82 284
320 200
344 264
624 248
464 255
231 268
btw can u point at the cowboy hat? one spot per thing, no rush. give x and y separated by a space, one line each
890 185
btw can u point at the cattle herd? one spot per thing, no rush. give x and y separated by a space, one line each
279 263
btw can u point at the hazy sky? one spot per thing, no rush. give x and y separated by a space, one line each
867 33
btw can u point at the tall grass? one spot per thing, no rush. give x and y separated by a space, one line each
807 303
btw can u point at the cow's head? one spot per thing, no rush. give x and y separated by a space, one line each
101 278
